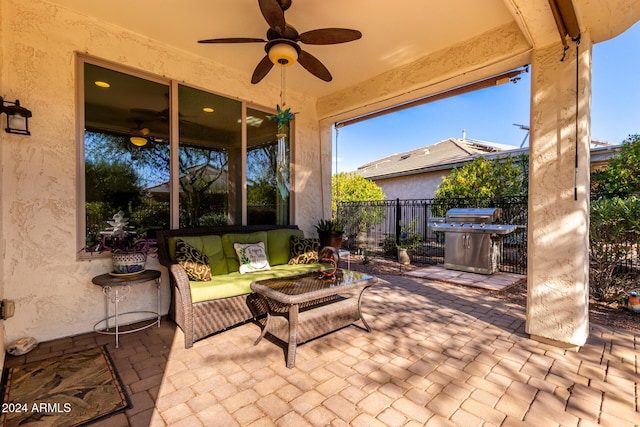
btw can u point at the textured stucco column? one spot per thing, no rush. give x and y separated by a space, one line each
558 255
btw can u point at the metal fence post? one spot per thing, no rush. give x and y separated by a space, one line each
398 220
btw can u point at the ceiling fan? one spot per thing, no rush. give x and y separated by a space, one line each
140 135
149 114
282 42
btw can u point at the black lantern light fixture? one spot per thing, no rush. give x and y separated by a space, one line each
17 117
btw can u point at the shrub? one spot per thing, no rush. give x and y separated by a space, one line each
614 231
389 246
622 174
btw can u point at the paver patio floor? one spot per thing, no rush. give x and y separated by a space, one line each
439 354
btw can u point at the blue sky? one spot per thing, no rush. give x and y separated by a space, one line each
489 114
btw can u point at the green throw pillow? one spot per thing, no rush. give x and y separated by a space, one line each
194 262
252 257
303 251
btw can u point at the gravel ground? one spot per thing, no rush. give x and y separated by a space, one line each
600 313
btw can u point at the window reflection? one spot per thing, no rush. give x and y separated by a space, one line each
268 181
127 157
209 159
126 151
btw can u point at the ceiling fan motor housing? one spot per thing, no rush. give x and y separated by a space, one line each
284 4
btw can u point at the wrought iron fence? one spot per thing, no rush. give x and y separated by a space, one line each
378 227
624 254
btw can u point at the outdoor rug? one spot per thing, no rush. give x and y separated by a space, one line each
69 390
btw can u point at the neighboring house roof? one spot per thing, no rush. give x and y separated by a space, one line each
600 156
416 161
453 152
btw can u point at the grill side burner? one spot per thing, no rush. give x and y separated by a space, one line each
471 241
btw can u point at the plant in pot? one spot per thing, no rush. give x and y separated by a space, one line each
128 250
408 241
330 233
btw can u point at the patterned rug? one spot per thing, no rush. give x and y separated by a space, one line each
69 390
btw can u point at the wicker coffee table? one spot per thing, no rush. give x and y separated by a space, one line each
306 306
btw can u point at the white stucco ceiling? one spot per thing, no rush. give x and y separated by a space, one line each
394 32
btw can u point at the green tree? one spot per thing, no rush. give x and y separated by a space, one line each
115 183
508 176
622 174
351 187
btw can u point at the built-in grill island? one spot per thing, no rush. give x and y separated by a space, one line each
472 239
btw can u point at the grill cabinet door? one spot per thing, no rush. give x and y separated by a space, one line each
477 255
455 250
469 252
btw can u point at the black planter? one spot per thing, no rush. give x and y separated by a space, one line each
331 238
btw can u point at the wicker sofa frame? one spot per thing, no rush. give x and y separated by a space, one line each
201 319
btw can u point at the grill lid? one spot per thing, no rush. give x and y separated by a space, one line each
473 215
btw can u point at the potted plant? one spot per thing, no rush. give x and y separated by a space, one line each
408 241
128 250
330 233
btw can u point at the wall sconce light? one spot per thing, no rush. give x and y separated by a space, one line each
17 117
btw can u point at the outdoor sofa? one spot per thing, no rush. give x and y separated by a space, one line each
204 307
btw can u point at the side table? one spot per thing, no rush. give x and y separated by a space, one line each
115 289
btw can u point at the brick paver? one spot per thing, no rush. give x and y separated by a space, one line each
439 354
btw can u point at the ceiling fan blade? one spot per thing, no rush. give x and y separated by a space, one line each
262 69
273 14
314 66
232 40
330 36
146 111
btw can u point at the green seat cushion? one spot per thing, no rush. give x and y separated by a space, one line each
229 251
234 284
280 243
210 245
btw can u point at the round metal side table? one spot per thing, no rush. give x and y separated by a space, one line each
115 289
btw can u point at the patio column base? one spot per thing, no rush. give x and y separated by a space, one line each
559 344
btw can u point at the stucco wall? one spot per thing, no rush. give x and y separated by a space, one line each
419 186
2 245
52 290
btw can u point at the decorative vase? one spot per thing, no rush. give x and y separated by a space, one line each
403 256
633 303
126 263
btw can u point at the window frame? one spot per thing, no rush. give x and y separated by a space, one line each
172 86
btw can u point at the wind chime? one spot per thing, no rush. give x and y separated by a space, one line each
283 117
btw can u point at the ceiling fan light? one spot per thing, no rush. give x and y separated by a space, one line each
283 54
138 141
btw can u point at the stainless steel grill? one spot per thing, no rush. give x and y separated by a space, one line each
471 239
